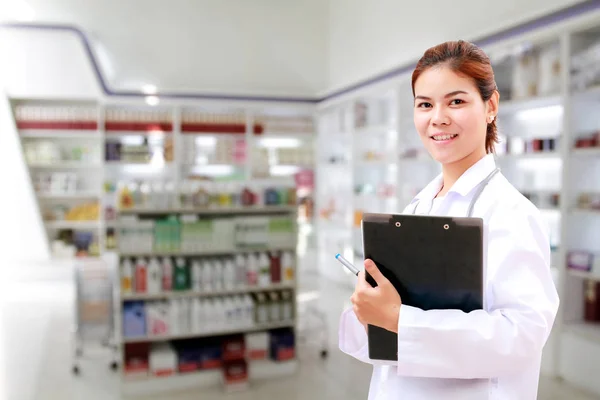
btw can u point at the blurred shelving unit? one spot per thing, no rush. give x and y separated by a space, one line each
87 157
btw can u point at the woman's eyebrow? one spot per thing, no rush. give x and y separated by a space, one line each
446 96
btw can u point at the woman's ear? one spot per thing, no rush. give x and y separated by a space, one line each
492 104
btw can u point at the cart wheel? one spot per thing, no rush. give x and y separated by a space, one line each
324 354
75 370
114 366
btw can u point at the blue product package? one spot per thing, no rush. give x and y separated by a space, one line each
134 319
282 345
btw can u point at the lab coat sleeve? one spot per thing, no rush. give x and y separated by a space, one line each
510 333
353 339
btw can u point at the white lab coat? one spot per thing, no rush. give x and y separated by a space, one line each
493 353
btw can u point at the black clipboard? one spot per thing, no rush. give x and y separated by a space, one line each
433 262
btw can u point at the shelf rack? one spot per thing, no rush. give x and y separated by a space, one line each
257 369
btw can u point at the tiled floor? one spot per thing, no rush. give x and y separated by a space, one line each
35 353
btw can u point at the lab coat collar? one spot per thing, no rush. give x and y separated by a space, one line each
463 186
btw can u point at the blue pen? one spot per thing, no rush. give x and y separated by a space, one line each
347 264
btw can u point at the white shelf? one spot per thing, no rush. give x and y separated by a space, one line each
586 152
67 196
583 274
585 212
589 93
72 224
373 129
257 370
200 253
65 165
191 293
534 156
59 134
373 163
213 211
119 134
223 332
512 106
587 330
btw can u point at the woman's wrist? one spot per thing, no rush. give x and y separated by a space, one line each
394 318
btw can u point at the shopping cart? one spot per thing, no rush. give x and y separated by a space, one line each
94 305
312 328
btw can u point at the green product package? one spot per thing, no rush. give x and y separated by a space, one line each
181 275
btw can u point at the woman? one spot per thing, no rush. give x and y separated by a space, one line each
494 353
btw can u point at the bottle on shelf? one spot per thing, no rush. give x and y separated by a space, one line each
287 264
207 275
154 276
218 274
181 275
196 276
141 276
229 274
126 276
252 270
167 274
264 278
240 265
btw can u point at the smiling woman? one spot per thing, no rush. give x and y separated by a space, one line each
443 352
456 103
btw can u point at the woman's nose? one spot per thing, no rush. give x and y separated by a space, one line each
440 117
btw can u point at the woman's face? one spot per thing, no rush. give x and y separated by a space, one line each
450 115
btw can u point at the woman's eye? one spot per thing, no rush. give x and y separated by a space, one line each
456 102
424 105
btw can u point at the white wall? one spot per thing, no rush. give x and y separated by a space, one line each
231 47
371 37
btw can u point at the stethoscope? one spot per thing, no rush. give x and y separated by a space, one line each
478 191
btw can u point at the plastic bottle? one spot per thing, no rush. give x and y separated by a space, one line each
275 260
229 274
252 270
196 276
184 315
174 326
217 276
167 274
207 285
154 276
287 264
181 275
207 320
141 276
286 306
240 266
126 276
229 312
195 315
264 278
218 313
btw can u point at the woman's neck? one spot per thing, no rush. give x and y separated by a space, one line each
452 172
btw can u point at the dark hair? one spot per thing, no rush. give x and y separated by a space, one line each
467 59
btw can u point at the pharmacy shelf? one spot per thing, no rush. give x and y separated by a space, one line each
583 274
192 293
68 196
257 371
119 134
212 211
539 155
585 212
204 253
373 129
66 165
586 330
512 106
59 134
586 152
73 224
589 93
222 332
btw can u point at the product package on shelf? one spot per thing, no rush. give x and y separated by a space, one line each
257 346
137 236
282 344
163 359
235 375
134 319
61 117
137 359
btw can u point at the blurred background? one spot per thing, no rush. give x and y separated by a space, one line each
177 178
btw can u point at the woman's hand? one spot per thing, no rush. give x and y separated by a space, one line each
379 306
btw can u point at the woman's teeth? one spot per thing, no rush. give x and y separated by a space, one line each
444 137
